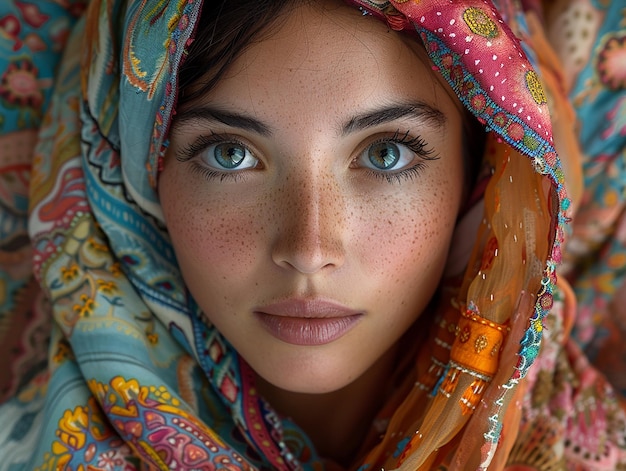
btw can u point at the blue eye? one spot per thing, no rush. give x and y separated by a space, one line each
387 155
383 155
229 156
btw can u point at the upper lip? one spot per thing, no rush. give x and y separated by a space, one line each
307 308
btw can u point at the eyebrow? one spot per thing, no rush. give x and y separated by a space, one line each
417 110
235 120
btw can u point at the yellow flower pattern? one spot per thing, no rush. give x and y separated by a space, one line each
148 418
86 308
69 273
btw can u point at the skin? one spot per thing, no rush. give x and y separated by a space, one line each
312 219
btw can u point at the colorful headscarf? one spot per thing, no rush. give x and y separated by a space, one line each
135 379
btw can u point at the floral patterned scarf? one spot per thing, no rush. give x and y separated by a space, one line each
134 379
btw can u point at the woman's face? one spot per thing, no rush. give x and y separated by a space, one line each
312 194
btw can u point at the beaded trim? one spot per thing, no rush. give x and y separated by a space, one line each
478 343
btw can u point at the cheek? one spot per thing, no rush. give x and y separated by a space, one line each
404 259
214 240
407 237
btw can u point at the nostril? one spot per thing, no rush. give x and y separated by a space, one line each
308 257
308 248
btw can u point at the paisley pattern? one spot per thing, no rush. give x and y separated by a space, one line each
134 378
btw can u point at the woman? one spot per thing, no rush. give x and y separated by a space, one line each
299 263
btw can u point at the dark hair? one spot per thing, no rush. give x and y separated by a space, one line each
224 30
227 27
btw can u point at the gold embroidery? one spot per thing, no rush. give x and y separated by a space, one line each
536 89
479 23
465 334
481 343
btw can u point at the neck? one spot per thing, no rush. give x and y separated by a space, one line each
336 422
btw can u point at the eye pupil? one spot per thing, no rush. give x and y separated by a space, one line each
229 155
384 155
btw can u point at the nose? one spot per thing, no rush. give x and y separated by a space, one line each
310 225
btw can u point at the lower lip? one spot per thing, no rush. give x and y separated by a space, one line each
307 331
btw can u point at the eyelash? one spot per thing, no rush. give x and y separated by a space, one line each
200 144
416 144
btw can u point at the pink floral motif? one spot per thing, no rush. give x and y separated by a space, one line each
31 14
19 85
112 459
35 43
516 131
612 62
479 102
10 26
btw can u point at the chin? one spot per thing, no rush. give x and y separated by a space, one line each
315 376
311 385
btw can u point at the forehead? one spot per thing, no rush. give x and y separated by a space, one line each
336 55
337 32
322 63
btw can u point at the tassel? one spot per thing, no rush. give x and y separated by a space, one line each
429 380
448 385
472 396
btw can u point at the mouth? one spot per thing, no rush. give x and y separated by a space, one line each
307 322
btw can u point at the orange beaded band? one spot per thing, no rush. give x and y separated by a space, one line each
478 343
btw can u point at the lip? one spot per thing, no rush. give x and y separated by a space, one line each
307 322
